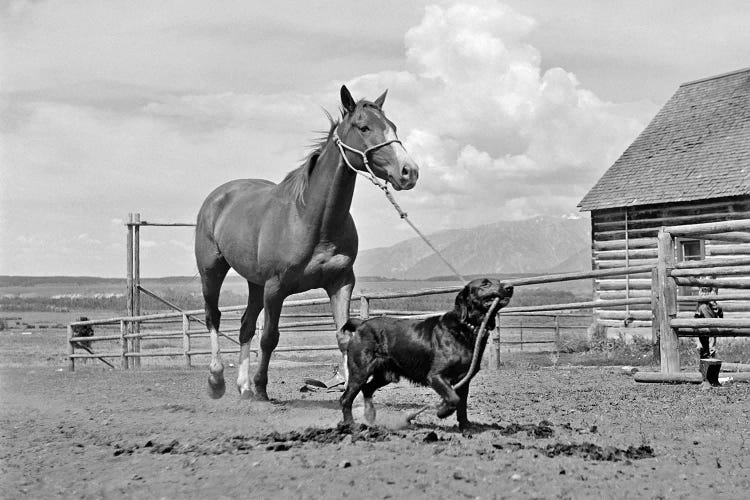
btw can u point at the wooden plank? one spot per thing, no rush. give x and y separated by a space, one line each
186 340
668 341
97 355
721 283
713 332
608 264
720 262
729 250
643 253
710 323
735 367
576 305
554 278
738 237
364 308
655 316
698 215
615 295
136 326
123 345
129 271
167 224
622 315
95 338
619 324
620 244
719 298
632 307
693 230
71 350
619 284
714 271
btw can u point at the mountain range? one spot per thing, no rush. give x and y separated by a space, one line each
541 245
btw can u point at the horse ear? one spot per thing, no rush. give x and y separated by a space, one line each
347 100
380 100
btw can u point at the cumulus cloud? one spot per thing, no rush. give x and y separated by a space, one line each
132 124
497 136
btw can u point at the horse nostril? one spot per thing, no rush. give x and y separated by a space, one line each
508 289
405 171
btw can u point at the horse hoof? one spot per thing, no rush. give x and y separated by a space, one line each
246 394
261 396
216 386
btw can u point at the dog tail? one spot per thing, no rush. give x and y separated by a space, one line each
344 336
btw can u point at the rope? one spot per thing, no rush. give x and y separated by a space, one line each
370 175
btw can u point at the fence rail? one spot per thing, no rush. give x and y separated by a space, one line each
132 327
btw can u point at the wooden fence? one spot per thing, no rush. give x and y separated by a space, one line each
719 273
128 332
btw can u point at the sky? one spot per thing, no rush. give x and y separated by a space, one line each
511 109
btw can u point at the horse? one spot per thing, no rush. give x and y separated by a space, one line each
294 236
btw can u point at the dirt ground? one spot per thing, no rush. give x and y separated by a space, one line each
541 433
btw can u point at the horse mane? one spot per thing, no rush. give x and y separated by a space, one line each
295 182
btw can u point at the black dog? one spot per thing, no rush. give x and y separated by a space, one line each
434 352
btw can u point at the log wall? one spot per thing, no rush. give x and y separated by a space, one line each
628 237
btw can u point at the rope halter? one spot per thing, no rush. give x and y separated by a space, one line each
373 178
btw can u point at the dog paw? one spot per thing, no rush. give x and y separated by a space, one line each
445 410
467 428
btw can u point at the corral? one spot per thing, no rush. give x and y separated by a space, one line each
559 431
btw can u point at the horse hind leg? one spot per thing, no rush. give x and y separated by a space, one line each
247 332
273 300
212 277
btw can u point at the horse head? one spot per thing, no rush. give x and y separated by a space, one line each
370 142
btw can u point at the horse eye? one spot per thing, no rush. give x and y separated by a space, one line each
364 128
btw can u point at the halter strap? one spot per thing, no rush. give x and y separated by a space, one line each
373 178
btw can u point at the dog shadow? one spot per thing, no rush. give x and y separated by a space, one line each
474 428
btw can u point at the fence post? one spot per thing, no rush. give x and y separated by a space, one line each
655 316
557 332
129 273
71 350
520 329
186 339
124 345
497 348
364 307
136 284
669 343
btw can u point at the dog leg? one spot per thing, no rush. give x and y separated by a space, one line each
352 389
445 391
463 394
368 390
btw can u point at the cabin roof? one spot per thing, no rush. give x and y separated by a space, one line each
697 147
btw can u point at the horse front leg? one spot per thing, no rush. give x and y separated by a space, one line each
340 296
247 332
272 303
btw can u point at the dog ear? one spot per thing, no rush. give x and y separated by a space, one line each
462 304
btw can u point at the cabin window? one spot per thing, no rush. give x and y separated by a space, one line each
690 250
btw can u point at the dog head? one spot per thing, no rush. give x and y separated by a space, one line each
473 302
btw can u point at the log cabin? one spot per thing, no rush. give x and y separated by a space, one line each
691 164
